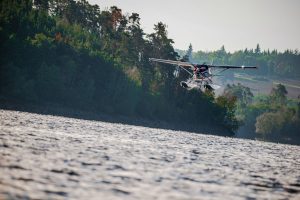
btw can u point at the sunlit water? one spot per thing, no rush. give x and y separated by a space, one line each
49 157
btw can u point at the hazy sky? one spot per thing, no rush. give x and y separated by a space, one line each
209 24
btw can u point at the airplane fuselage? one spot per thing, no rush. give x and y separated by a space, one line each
201 72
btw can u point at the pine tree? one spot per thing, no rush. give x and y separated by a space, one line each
257 49
189 54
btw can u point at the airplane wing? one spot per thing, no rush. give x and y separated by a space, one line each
180 64
172 62
232 67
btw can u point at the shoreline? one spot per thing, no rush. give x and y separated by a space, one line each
58 110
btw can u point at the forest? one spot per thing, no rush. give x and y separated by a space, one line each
71 54
270 63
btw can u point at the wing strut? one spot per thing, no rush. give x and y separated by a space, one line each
185 70
219 72
180 64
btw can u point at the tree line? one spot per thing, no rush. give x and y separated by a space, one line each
271 63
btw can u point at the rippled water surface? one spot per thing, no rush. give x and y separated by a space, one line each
49 157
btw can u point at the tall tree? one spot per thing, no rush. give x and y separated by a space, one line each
278 95
257 49
189 54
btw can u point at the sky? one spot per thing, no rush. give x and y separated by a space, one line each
209 24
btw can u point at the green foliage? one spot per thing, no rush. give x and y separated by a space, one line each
268 117
280 125
41 40
269 123
271 117
278 95
227 104
242 93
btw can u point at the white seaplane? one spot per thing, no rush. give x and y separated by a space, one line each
200 74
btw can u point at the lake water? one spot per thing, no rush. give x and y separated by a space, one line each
50 157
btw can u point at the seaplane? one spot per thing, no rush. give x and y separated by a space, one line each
200 75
